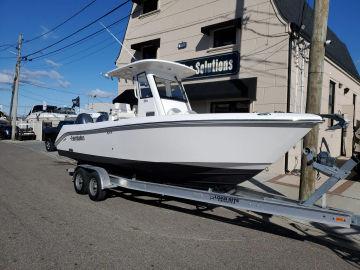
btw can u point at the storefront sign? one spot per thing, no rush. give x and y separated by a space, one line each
214 65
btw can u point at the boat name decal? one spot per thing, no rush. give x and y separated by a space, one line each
225 199
77 138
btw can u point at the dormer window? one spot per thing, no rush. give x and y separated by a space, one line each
224 37
224 33
149 5
147 49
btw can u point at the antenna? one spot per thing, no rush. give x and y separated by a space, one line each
122 45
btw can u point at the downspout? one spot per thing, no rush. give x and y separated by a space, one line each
288 97
294 29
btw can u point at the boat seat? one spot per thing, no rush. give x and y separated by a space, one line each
122 111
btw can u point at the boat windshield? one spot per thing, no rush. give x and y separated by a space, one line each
40 108
170 89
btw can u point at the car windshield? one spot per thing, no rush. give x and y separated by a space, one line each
170 89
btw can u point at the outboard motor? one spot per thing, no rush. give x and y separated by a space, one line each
103 117
84 118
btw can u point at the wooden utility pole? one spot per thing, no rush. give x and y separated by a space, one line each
15 90
314 89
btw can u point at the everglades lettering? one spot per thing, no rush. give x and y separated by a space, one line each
77 138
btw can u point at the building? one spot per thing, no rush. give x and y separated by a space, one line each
250 56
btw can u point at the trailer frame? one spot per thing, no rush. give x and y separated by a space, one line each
243 200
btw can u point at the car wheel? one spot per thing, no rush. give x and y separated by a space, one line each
81 181
49 145
94 188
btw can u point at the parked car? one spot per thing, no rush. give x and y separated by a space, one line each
50 134
25 131
5 130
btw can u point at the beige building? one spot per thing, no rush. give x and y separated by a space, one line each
250 56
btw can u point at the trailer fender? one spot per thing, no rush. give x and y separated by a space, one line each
104 176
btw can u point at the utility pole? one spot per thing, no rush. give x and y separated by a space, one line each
314 89
15 94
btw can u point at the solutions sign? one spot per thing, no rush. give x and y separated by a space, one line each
214 65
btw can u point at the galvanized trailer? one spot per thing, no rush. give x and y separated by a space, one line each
96 181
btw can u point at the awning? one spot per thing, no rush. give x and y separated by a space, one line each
234 22
237 88
148 43
127 97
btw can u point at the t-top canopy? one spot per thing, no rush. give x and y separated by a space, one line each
152 66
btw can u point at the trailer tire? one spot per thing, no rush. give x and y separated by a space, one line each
94 188
81 181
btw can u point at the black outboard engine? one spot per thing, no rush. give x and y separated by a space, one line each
103 117
84 118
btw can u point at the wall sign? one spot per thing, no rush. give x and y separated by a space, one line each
214 65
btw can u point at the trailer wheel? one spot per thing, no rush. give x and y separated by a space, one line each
81 181
95 191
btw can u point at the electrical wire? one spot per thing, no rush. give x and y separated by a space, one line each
80 40
77 53
55 89
89 54
61 24
79 30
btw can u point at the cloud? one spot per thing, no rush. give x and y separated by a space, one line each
52 63
46 34
48 78
63 83
100 93
6 78
51 74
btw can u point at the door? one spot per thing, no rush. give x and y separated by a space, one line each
146 105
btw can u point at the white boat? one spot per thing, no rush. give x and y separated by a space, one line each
49 113
164 140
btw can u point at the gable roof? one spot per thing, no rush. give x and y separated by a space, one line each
292 10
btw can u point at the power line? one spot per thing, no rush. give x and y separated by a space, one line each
77 53
89 54
80 40
55 89
61 24
79 30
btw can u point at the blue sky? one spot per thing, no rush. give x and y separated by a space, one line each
73 71
77 70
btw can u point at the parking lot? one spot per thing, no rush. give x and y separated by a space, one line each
45 224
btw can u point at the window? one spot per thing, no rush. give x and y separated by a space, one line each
170 89
149 52
149 5
224 37
144 87
231 107
331 106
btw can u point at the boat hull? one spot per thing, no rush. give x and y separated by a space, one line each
207 152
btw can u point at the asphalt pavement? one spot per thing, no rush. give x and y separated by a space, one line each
46 225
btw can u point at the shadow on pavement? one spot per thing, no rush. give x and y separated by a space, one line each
346 248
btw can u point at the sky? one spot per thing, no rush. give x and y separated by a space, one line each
77 69
73 71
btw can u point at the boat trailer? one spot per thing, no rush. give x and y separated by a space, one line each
95 181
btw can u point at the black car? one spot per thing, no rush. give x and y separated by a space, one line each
5 131
50 134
